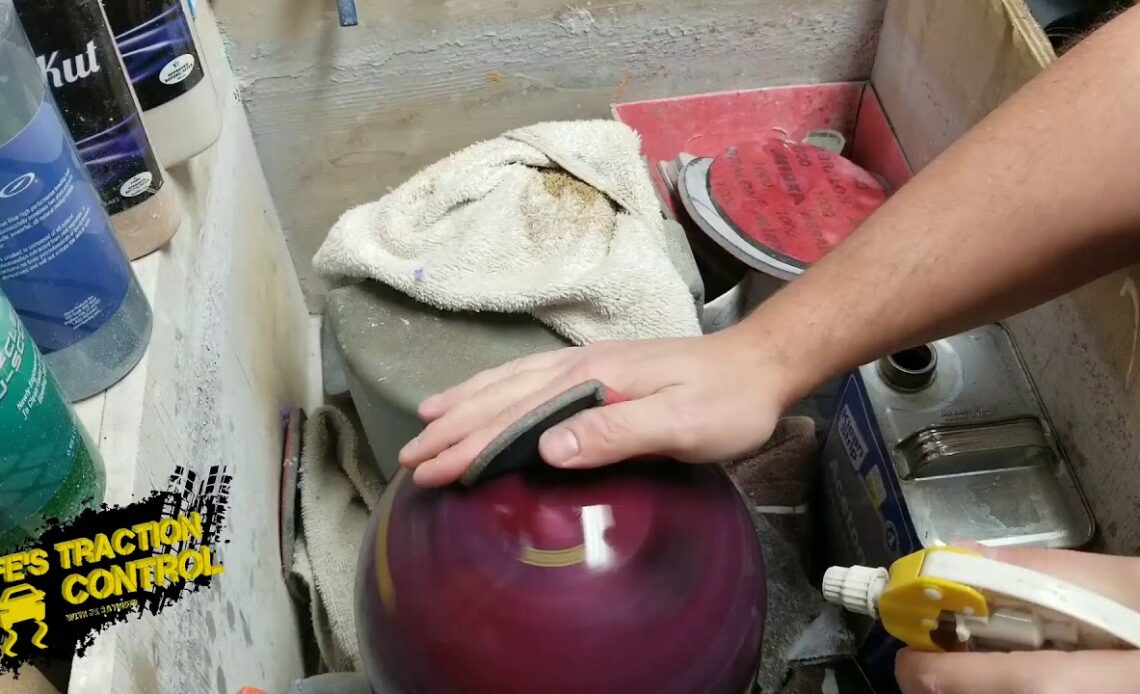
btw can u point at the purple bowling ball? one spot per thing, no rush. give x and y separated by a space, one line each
641 577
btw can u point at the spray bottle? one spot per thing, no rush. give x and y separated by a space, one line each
164 60
80 62
949 599
49 470
61 266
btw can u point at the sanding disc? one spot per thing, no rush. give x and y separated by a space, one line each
781 206
693 190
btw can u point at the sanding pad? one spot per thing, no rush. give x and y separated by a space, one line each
779 206
517 446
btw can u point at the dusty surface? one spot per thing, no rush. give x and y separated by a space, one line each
230 349
342 115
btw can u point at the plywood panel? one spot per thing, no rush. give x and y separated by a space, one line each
30 681
942 65
342 115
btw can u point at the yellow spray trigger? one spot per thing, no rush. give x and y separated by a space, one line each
911 604
1029 610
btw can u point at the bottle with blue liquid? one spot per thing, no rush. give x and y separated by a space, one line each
60 264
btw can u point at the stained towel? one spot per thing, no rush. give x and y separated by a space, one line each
339 484
779 477
559 220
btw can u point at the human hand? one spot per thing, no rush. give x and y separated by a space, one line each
698 400
1038 672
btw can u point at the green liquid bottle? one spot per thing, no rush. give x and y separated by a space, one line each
49 469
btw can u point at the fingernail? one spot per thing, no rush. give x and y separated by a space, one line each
430 404
559 446
409 448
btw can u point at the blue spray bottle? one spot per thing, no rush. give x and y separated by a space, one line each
60 264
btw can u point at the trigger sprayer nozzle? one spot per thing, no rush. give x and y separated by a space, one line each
855 588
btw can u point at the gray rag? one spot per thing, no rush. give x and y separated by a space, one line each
801 629
777 479
557 220
339 485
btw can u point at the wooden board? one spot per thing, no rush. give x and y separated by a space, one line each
30 681
342 115
941 66
231 347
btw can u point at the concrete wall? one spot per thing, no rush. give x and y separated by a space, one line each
342 115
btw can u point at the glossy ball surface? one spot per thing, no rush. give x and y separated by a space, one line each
641 577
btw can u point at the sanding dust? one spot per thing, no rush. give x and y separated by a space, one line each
575 202
576 196
562 185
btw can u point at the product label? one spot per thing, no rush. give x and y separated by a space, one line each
60 264
78 58
42 443
879 525
157 45
868 521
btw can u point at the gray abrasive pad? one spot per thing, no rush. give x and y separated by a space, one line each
517 446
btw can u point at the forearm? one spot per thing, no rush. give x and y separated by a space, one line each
1039 198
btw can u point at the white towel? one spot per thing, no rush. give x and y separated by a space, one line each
559 220
339 485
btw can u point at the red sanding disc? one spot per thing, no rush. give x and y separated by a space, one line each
792 201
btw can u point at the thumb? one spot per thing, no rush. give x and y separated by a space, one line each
604 435
1094 672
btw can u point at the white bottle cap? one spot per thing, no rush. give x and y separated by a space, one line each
856 588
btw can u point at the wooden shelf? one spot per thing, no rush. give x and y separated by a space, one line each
233 345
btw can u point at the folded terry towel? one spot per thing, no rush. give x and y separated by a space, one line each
559 220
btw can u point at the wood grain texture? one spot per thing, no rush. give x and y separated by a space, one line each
941 66
230 349
30 681
342 115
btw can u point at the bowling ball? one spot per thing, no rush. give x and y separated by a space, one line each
640 577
